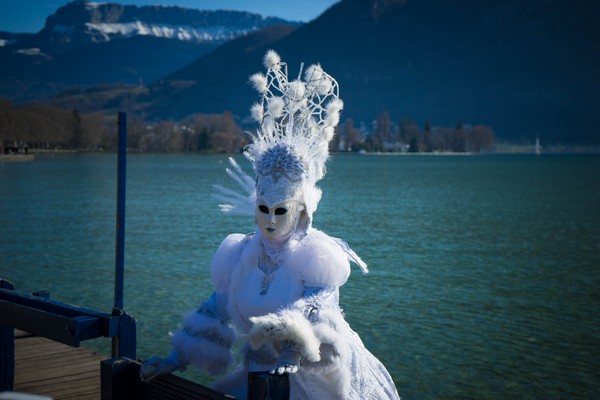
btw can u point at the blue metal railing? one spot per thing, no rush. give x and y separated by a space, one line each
66 323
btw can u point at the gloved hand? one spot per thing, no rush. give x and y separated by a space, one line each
157 366
289 360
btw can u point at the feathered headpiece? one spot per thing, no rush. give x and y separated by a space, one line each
289 151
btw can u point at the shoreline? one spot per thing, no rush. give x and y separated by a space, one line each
500 150
399 153
16 157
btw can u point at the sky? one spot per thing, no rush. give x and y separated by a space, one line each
29 16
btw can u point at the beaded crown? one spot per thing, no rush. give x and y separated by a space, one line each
288 152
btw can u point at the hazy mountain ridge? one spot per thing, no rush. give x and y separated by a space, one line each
101 22
523 67
86 43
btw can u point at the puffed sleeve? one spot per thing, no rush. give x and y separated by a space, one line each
225 259
205 337
319 261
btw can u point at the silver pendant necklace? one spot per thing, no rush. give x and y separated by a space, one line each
268 268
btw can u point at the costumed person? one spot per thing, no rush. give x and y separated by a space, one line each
277 289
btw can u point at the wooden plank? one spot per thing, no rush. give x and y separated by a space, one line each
31 347
48 368
52 369
54 373
37 346
22 334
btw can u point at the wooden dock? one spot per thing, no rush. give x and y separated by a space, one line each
48 368
52 369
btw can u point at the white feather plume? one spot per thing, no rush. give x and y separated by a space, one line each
335 106
271 59
257 112
296 91
302 115
324 86
314 73
306 123
329 131
276 106
234 202
259 81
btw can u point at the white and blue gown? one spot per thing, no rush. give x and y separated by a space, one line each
270 295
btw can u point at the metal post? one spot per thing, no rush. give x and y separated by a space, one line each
7 349
120 245
267 386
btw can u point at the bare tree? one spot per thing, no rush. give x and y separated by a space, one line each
351 134
480 137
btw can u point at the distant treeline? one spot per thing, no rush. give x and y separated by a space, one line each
43 127
407 136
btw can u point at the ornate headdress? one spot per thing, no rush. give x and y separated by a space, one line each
289 150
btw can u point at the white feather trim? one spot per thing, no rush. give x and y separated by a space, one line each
201 353
313 73
273 330
324 86
256 111
296 90
271 59
232 201
329 132
198 322
335 349
237 174
334 106
276 106
333 112
332 119
204 343
268 127
259 81
312 196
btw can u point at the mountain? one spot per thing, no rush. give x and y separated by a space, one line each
525 68
522 67
86 43
221 68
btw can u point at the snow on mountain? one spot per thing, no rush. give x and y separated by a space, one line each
8 39
91 5
87 43
30 52
82 22
108 31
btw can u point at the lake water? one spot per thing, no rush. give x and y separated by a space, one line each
485 271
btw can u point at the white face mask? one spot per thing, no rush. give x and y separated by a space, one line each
278 221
